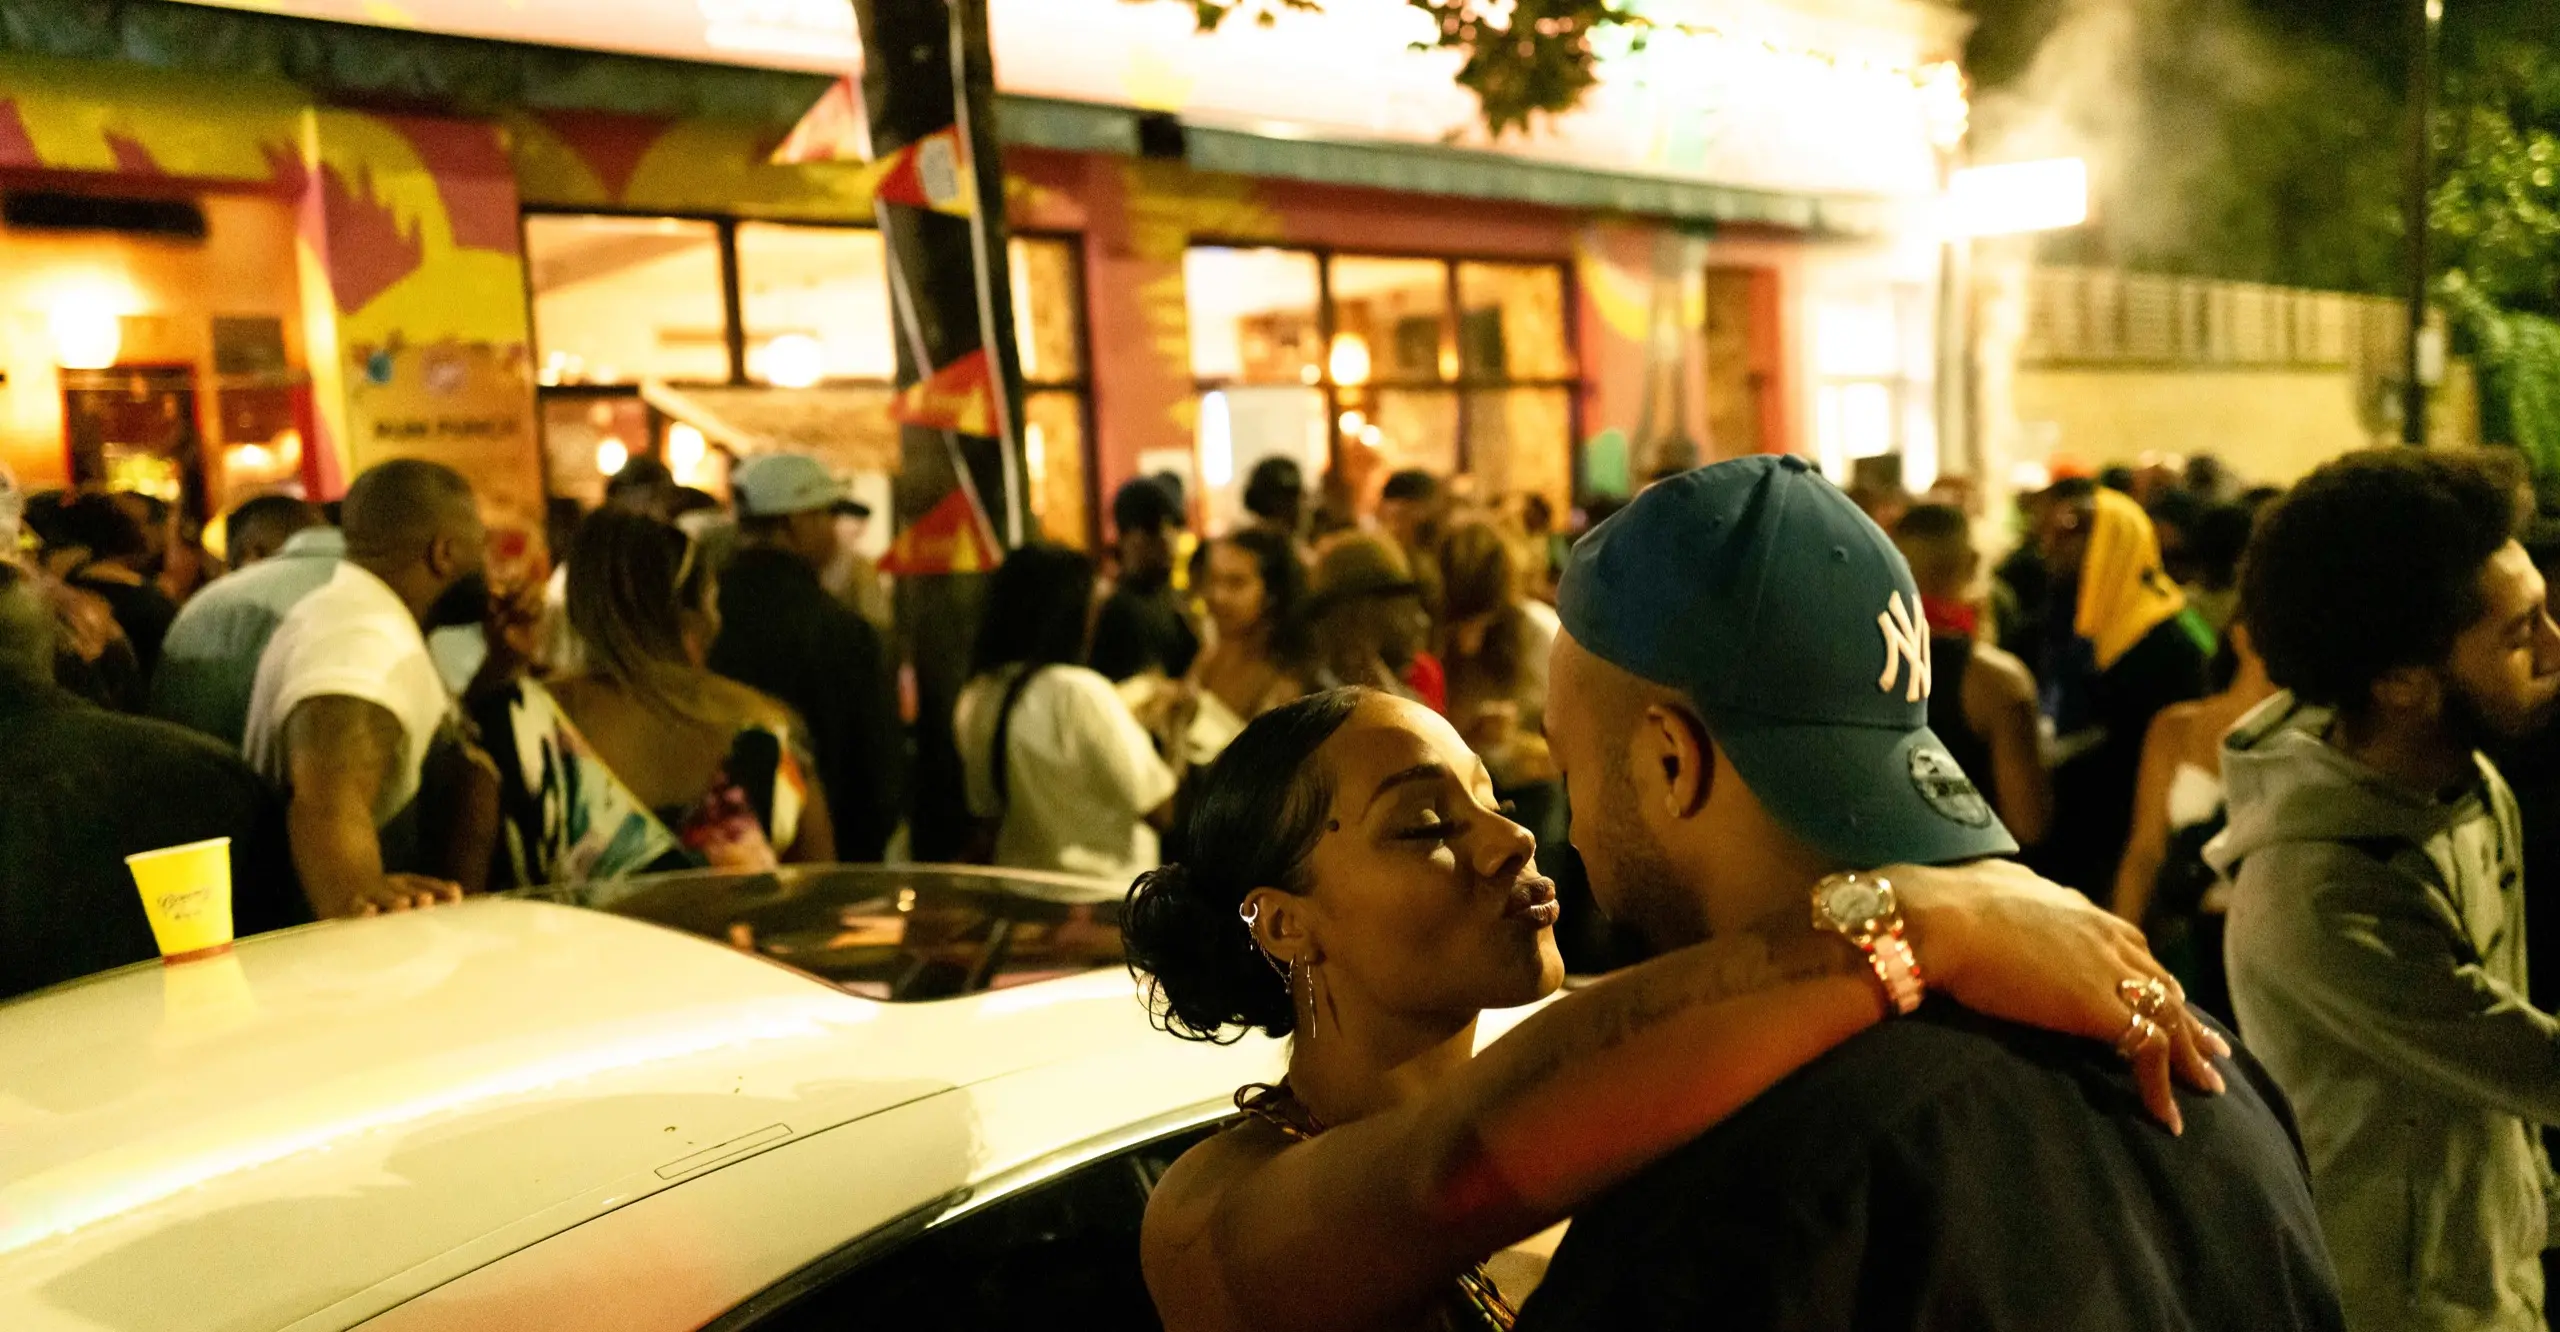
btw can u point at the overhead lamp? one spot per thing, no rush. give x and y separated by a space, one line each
1348 361
686 448
612 455
86 336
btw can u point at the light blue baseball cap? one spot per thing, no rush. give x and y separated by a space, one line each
770 485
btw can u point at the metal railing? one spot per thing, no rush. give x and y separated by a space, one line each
2107 317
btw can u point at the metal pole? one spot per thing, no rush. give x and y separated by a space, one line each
1008 446
2426 19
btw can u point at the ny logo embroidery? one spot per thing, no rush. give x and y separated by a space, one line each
1905 643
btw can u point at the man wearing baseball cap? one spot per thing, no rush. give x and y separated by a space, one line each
782 633
1740 700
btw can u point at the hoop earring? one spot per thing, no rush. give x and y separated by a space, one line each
1251 914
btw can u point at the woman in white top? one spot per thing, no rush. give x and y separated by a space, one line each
1255 589
2163 884
1076 784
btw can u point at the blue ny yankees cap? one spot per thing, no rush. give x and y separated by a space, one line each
1789 620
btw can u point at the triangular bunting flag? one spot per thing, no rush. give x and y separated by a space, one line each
933 172
952 537
833 129
958 397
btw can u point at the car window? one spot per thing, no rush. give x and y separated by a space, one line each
898 934
1061 1253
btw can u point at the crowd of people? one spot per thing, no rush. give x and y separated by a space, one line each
2265 730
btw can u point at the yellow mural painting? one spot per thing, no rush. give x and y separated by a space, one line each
75 113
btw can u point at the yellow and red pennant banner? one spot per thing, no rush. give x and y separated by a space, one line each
959 397
833 129
933 172
952 537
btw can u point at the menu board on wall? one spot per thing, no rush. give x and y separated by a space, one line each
468 405
815 35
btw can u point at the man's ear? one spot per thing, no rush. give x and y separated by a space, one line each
443 555
1672 743
2409 690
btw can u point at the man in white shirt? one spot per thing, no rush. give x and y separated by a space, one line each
209 661
347 700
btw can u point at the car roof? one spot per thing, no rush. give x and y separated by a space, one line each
369 1094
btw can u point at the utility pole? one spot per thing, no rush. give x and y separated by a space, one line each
2426 21
927 67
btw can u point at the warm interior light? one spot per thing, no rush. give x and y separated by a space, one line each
1352 422
1035 457
2017 197
794 360
86 335
1349 360
612 455
1217 440
685 447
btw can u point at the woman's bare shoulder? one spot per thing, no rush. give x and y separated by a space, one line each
748 706
1174 1243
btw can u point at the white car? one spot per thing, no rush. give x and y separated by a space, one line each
943 1108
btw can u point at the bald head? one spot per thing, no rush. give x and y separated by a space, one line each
398 509
260 527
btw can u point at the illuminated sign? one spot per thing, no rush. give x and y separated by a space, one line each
2017 197
815 35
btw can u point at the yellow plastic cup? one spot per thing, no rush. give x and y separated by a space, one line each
186 891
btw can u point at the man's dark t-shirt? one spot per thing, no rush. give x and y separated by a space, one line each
780 632
1945 1172
1142 628
85 788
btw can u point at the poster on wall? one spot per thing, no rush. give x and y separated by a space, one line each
468 405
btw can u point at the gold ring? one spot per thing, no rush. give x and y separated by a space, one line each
2137 1034
2149 996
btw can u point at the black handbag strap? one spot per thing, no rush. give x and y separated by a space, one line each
999 764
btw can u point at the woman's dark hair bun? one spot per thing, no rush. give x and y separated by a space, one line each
1249 821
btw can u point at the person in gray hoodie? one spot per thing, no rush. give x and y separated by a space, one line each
2376 938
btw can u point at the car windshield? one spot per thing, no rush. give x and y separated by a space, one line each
899 934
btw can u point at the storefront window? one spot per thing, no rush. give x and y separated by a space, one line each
588 437
1872 397
1048 329
816 304
1387 363
1511 322
1254 315
1048 309
620 299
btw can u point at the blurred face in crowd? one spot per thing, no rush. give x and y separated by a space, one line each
1403 520
2501 680
1237 599
1146 552
1423 897
812 536
2062 533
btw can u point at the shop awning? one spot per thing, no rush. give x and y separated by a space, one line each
848 428
1039 122
352 62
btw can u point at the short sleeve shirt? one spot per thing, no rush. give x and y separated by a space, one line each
353 638
1082 773
1952 1173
